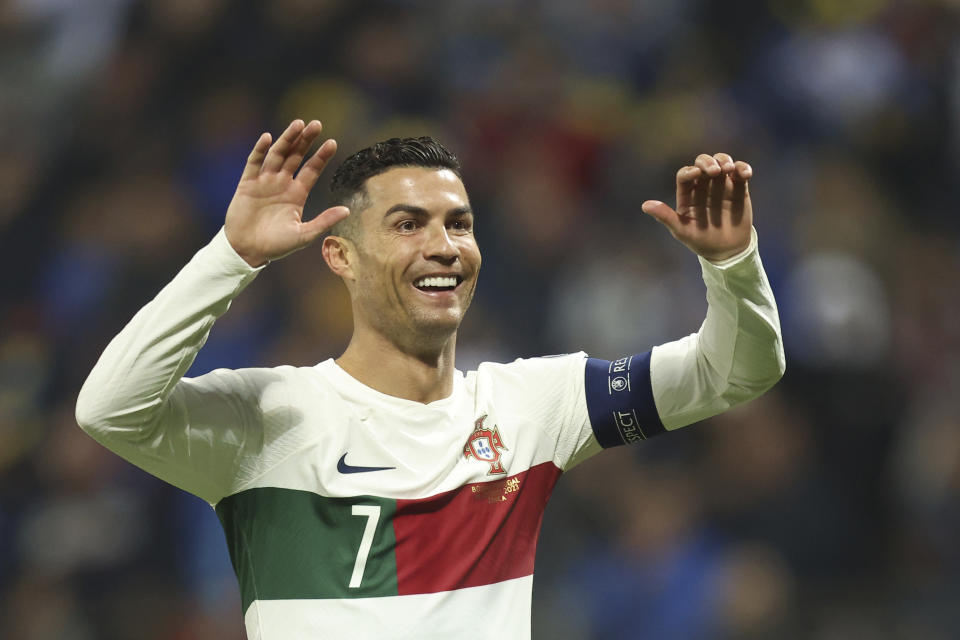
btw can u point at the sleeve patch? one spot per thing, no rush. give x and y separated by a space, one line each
620 400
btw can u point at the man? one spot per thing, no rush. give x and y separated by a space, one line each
385 494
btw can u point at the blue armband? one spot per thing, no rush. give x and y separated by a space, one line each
620 400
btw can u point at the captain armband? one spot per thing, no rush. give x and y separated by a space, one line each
620 400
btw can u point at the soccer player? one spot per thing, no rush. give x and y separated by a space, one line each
385 494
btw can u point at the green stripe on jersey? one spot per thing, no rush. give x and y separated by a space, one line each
288 544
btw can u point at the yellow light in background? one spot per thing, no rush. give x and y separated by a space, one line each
835 13
597 106
335 103
827 12
668 125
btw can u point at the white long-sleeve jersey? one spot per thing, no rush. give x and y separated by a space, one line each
353 514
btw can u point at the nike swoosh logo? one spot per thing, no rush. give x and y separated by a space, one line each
343 467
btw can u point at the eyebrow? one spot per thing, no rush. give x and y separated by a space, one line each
420 211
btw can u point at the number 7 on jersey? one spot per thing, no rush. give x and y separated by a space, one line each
372 513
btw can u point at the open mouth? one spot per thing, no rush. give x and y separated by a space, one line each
437 283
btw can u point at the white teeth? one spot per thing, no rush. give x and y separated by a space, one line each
437 281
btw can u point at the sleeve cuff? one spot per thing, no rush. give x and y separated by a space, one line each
222 253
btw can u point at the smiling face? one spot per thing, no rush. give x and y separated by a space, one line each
413 268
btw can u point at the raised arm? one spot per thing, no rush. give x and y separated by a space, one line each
196 433
738 352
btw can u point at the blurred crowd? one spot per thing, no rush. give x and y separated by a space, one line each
828 509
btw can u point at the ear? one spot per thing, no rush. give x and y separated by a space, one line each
340 256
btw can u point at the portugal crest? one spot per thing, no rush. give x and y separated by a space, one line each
485 444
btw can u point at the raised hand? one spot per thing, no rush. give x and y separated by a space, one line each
265 218
713 215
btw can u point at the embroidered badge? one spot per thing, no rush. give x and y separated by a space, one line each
485 444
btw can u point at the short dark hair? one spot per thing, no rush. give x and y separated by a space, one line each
347 184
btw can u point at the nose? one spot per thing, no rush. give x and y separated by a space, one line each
439 245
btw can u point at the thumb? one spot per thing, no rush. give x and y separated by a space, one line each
661 212
322 223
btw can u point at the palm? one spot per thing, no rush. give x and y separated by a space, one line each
713 215
273 207
265 218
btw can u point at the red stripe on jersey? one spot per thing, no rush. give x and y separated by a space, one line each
478 534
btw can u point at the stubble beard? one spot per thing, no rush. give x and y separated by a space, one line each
417 328
429 330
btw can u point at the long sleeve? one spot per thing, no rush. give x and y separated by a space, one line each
735 356
188 432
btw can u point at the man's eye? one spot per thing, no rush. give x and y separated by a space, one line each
460 225
407 225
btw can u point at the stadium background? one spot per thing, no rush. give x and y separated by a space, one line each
828 509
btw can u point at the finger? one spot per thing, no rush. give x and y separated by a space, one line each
309 134
739 199
699 196
323 222
686 180
725 161
705 189
281 148
715 192
708 165
688 174
255 159
661 212
743 171
691 194
314 166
